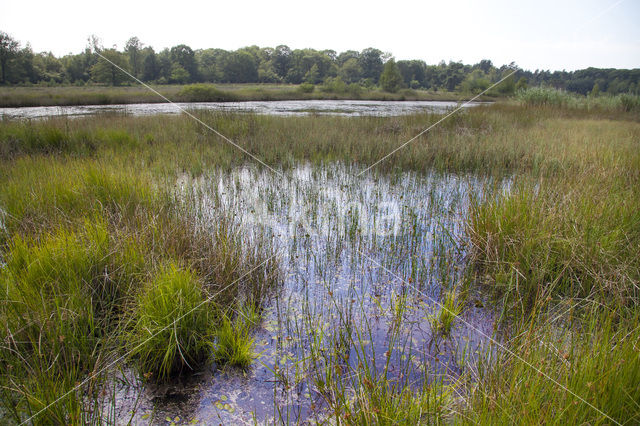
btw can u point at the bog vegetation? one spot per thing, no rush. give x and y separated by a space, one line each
104 261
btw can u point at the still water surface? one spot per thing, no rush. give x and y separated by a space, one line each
349 246
324 107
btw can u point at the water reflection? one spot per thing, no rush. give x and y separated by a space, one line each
285 108
361 286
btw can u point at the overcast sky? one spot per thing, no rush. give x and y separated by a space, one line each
538 34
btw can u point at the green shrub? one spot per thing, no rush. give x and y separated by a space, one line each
355 90
334 85
203 93
172 324
306 88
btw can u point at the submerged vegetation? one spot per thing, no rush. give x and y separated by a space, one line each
117 241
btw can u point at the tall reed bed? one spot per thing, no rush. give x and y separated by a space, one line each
549 97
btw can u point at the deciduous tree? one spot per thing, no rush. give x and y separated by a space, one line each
391 79
8 50
105 72
133 48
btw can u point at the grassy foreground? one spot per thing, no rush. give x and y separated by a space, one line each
94 240
104 263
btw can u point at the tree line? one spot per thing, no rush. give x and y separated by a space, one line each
370 67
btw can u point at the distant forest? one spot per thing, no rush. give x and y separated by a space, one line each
182 64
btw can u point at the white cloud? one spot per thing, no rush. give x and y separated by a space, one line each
534 34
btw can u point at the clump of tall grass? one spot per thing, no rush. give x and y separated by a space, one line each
379 401
49 137
172 324
565 239
39 193
586 375
62 295
444 320
233 340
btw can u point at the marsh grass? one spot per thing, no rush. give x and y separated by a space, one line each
379 401
83 239
91 217
234 344
58 307
568 238
172 324
549 97
105 95
497 139
444 320
597 361
360 390
571 238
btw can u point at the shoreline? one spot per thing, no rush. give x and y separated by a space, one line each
36 96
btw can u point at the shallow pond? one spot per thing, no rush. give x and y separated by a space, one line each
326 107
367 261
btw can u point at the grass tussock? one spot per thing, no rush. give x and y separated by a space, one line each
234 344
62 293
444 320
377 401
172 324
40 194
570 238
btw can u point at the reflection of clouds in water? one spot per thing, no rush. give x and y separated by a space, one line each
324 216
324 203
